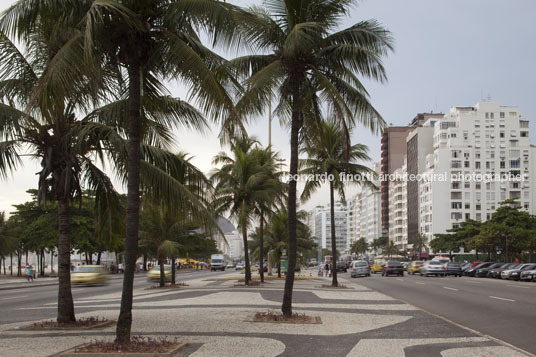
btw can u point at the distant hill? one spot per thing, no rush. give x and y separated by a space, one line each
225 225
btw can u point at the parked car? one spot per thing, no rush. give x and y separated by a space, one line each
452 268
442 259
341 266
89 275
154 273
528 275
483 272
515 274
472 271
393 267
432 267
239 266
496 272
359 268
377 266
506 272
414 267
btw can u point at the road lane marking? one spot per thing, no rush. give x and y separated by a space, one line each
500 298
399 279
521 287
446 287
419 283
14 297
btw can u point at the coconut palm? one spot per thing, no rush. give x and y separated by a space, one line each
312 70
328 155
359 246
151 40
244 186
267 160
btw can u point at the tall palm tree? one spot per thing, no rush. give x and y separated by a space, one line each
328 155
311 69
268 161
151 40
244 187
359 246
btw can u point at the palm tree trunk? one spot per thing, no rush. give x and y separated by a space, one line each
173 267
11 264
99 257
334 281
162 273
124 322
246 254
65 296
261 252
286 307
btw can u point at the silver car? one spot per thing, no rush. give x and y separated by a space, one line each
359 268
433 267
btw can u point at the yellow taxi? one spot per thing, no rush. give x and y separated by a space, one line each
415 267
89 275
154 273
377 266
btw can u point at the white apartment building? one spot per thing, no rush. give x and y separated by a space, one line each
235 248
489 140
322 226
398 208
364 213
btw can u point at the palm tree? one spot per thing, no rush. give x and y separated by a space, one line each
419 244
328 155
151 40
391 249
378 243
359 246
310 69
244 186
268 162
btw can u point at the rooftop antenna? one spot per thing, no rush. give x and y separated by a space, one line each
489 98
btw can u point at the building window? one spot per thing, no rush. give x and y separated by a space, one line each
456 205
501 115
467 164
478 206
477 164
455 185
467 206
501 134
478 185
467 216
524 134
524 124
467 184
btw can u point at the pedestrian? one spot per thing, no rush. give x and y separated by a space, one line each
120 268
330 269
29 274
326 269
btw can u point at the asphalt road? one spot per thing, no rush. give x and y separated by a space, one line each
499 308
19 305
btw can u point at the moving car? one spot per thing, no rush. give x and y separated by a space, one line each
414 267
433 267
154 273
89 275
240 266
359 268
341 266
377 266
393 267
452 268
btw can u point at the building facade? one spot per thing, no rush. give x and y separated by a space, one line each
322 225
475 149
398 208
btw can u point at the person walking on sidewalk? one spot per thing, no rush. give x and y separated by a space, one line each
29 273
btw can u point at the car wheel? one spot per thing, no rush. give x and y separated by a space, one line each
368 274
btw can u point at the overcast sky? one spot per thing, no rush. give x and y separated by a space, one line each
448 53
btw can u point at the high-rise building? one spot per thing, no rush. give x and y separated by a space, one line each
474 149
398 208
322 223
364 213
419 144
394 151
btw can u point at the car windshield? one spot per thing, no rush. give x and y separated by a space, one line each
217 260
81 269
418 263
379 262
495 265
361 264
434 262
529 267
454 265
393 263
